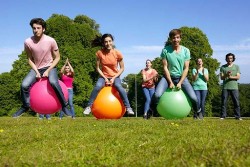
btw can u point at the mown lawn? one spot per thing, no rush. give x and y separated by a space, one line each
85 141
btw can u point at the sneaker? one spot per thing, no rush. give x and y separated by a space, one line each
199 111
20 112
200 116
130 111
222 118
240 119
66 111
145 117
87 111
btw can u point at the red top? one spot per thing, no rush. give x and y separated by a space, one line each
67 80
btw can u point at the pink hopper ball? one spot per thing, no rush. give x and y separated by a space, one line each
43 99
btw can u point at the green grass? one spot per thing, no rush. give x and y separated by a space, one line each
85 141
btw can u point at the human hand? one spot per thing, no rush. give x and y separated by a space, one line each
178 86
38 75
171 85
46 73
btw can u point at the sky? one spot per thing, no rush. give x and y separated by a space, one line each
140 28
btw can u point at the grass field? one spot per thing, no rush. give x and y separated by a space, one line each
85 141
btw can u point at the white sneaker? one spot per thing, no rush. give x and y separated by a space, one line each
87 111
130 111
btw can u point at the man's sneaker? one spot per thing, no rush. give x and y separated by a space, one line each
200 115
20 112
130 111
199 111
87 111
240 119
66 111
222 118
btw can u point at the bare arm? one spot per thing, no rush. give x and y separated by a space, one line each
145 79
31 63
167 74
71 68
121 69
99 70
184 74
205 75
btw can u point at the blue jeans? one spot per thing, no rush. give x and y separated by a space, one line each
71 105
186 87
201 96
46 115
117 84
235 98
148 93
30 79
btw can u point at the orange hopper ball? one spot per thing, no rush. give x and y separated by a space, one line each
108 104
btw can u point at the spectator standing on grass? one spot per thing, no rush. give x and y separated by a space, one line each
230 74
149 78
67 77
200 79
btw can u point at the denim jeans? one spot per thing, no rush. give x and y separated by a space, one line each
71 105
46 115
201 96
148 93
186 87
235 98
117 84
30 79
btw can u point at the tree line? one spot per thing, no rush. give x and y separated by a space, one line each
74 38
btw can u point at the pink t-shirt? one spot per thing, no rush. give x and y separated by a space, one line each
67 80
149 83
42 50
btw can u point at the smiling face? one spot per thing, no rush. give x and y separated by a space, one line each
148 64
176 39
108 43
37 30
199 62
229 60
67 69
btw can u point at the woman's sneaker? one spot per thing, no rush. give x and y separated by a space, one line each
130 111
87 111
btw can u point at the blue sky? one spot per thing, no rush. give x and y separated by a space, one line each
140 28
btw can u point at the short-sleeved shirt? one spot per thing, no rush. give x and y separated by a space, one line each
109 61
230 83
175 60
42 50
200 83
149 83
67 80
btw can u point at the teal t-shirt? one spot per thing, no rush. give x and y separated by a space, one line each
230 83
175 60
200 83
